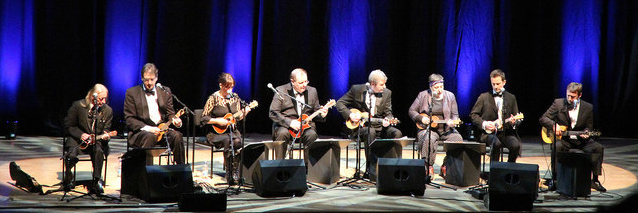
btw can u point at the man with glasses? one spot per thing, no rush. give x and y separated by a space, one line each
87 124
285 112
375 99
145 107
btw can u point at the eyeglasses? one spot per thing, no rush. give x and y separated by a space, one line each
148 79
303 82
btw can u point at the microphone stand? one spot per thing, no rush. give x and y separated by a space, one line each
241 181
357 170
290 146
229 165
428 177
94 113
188 138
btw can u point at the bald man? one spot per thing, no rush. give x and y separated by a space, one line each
285 112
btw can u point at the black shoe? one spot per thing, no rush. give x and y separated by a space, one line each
551 185
595 184
97 188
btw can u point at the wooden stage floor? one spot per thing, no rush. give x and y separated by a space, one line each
40 158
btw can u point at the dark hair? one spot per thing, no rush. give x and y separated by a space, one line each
149 67
575 87
497 73
226 79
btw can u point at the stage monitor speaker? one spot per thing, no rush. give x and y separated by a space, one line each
154 183
401 176
574 174
202 202
513 186
165 183
251 154
280 178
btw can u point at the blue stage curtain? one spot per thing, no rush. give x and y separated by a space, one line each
52 52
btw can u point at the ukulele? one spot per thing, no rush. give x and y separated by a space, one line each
304 120
499 123
548 134
164 126
364 118
91 140
232 118
436 120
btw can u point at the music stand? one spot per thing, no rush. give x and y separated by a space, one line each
463 159
324 159
386 148
573 173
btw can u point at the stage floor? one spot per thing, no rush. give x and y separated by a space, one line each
40 158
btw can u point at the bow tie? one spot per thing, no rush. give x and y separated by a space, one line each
500 94
378 95
149 92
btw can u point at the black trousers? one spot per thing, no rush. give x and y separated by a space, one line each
586 145
144 139
281 134
503 139
96 151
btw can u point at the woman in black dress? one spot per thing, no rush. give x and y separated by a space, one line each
220 109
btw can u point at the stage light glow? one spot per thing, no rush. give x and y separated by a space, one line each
348 32
580 44
123 55
238 51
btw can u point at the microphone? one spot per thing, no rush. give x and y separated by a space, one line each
368 87
158 85
274 90
95 98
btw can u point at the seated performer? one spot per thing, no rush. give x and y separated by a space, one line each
219 104
285 112
440 104
145 108
575 115
494 113
355 104
87 123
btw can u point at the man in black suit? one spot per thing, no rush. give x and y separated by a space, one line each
490 113
285 112
575 115
145 107
85 119
375 98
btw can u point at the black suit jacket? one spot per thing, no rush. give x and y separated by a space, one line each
485 110
284 110
136 109
355 98
559 113
77 120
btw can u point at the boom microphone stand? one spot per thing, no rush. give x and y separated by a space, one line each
188 123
